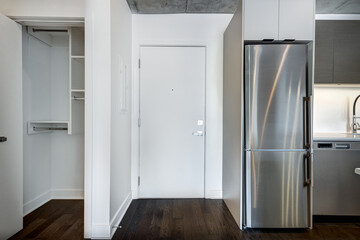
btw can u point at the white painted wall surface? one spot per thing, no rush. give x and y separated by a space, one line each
187 29
67 151
120 181
36 106
97 118
333 108
107 131
233 115
43 8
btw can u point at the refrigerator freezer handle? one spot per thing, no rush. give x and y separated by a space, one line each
306 119
307 169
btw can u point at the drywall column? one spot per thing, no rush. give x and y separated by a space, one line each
120 176
233 115
97 118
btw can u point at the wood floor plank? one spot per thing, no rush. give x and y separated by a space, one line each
53 220
199 219
170 219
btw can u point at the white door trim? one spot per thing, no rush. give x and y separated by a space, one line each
136 113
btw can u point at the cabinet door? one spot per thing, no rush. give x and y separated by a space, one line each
296 19
347 52
324 52
261 19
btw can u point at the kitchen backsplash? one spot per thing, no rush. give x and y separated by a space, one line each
333 108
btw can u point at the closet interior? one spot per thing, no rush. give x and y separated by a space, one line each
53 113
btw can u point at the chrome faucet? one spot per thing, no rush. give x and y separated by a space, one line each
355 124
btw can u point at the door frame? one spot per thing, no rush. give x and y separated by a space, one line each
73 22
135 149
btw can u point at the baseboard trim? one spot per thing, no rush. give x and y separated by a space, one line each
36 202
67 193
52 194
115 221
214 194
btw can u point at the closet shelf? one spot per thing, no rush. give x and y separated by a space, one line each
34 127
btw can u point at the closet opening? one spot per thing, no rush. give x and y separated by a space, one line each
53 119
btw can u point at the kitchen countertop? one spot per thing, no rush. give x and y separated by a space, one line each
339 137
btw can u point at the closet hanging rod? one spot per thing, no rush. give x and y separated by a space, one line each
78 98
49 30
48 129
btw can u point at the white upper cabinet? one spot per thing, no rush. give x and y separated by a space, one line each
279 19
261 19
296 19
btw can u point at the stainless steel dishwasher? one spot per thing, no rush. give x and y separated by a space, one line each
336 185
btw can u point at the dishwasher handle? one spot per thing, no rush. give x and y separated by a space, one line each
342 146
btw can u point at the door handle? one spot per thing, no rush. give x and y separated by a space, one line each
198 133
3 139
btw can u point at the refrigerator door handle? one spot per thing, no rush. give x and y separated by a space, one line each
306 103
307 170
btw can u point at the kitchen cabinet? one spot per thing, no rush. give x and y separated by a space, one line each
336 190
324 52
337 52
347 52
279 19
261 19
296 19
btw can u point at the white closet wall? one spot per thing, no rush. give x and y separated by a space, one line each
37 148
53 161
67 151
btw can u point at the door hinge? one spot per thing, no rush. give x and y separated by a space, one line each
139 63
139 122
138 180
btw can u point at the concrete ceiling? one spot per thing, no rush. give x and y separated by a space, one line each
182 6
338 6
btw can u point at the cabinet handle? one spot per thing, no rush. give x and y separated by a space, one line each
3 139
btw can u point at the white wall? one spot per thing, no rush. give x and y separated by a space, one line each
67 151
120 182
43 8
333 108
233 116
36 106
107 137
97 118
187 29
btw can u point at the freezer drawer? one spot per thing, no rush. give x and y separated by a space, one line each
336 185
277 193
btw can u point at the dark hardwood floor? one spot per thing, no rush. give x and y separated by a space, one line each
199 219
57 219
188 219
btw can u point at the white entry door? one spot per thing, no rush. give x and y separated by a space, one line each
11 129
172 114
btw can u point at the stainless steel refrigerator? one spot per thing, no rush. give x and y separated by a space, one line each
278 89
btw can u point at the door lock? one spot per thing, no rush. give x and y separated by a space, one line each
3 139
